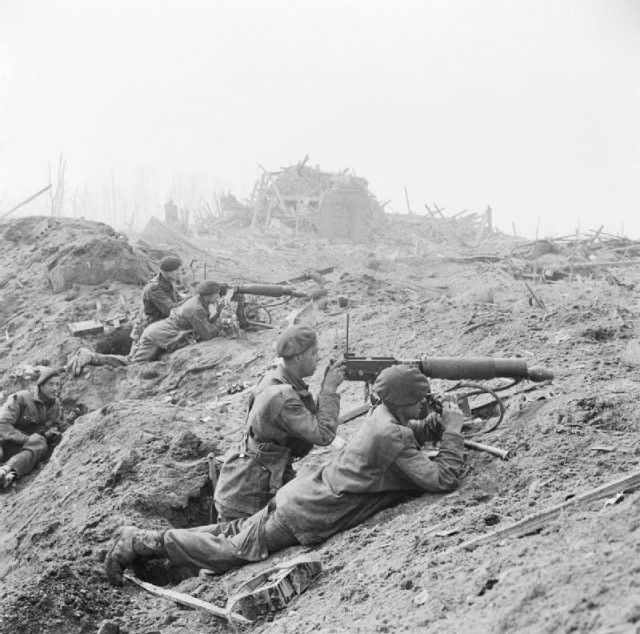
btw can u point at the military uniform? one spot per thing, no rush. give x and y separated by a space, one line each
24 420
380 466
189 319
169 334
159 296
283 424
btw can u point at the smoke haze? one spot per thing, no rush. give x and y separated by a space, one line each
532 108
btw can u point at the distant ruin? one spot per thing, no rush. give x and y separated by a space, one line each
299 199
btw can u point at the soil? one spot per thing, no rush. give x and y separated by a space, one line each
135 446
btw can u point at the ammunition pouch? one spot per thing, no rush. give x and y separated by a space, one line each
272 457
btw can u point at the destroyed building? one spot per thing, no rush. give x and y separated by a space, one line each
299 200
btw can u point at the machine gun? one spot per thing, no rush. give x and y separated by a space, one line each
451 368
253 313
266 290
367 369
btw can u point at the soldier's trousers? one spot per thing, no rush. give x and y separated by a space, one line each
24 457
142 351
220 547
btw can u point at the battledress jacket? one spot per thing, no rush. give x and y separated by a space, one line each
283 424
170 332
159 296
25 413
380 466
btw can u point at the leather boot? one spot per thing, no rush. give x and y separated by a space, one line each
7 476
131 544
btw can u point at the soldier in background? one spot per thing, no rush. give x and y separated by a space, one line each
159 295
29 421
189 321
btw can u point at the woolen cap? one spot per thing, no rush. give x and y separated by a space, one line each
401 385
170 263
45 375
295 340
208 287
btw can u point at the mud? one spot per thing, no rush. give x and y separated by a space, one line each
138 454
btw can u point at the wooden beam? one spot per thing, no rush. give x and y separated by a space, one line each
594 265
535 297
535 522
28 200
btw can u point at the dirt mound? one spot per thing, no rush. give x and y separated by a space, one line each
73 252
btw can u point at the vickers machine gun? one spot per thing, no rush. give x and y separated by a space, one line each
464 369
266 290
253 313
451 368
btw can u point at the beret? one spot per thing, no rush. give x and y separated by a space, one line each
401 385
170 263
295 340
45 375
208 287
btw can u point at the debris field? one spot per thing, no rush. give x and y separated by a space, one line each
136 438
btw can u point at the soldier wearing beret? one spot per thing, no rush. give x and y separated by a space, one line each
159 295
190 319
380 466
29 420
284 422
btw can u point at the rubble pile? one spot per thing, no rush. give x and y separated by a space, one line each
459 234
299 201
587 255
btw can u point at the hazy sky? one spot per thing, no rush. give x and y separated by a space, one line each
531 107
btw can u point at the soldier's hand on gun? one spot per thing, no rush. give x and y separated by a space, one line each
334 376
452 416
433 427
228 298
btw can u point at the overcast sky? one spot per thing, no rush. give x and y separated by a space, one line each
531 107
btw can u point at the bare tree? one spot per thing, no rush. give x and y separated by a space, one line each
56 193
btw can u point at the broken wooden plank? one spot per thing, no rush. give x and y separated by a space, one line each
535 297
591 265
306 276
188 600
535 522
28 200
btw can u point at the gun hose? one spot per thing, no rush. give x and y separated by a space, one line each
498 400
